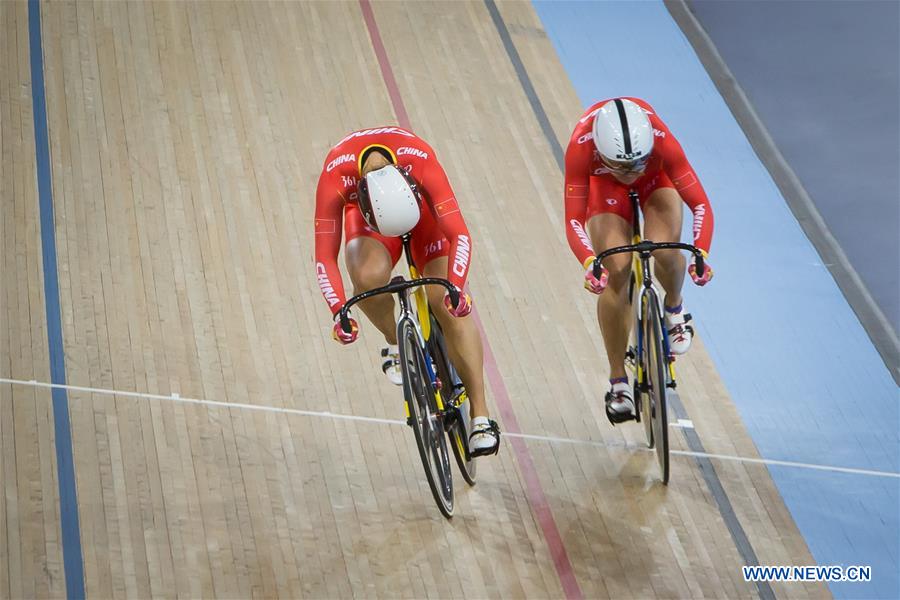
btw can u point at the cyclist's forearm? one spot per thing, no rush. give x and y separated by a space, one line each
330 283
703 225
459 260
576 203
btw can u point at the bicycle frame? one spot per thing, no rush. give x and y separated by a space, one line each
421 320
423 324
434 367
643 281
659 373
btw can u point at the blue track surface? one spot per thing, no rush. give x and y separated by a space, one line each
806 380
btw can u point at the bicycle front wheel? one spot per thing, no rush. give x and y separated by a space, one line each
655 364
424 418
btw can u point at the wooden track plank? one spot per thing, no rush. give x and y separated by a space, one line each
30 552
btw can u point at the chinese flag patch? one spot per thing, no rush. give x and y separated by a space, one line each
576 191
684 181
446 207
324 226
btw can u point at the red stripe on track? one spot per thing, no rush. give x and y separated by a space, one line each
386 71
533 489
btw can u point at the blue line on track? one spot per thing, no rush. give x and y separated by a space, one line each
73 562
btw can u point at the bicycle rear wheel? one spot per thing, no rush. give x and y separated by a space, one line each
458 428
423 416
655 364
458 432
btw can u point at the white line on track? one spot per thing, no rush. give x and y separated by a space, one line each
175 397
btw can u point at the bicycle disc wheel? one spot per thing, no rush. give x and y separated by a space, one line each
458 428
419 393
656 363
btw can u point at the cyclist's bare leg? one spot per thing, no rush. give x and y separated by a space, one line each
606 231
662 223
463 341
369 265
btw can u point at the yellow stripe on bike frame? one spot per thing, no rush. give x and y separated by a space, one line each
424 324
459 444
640 368
636 266
421 306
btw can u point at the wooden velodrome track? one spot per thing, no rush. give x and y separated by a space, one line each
186 140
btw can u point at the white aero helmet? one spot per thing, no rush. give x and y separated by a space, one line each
388 201
623 135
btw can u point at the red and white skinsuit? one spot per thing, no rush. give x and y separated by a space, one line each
441 230
591 188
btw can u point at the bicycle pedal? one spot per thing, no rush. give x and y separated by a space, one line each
616 418
630 360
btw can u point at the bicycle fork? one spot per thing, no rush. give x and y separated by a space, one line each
635 354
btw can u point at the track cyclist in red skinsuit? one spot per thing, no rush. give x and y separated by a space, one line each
377 185
620 145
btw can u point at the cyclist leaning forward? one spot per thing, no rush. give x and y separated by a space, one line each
621 145
377 185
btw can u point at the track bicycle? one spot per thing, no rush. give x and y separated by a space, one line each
435 398
648 352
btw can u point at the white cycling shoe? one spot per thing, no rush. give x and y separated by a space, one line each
619 403
391 364
485 437
680 333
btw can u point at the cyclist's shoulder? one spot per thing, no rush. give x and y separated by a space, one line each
391 136
655 119
641 102
581 133
586 120
415 148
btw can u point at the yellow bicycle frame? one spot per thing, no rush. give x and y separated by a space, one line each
421 305
638 284
423 311
636 292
